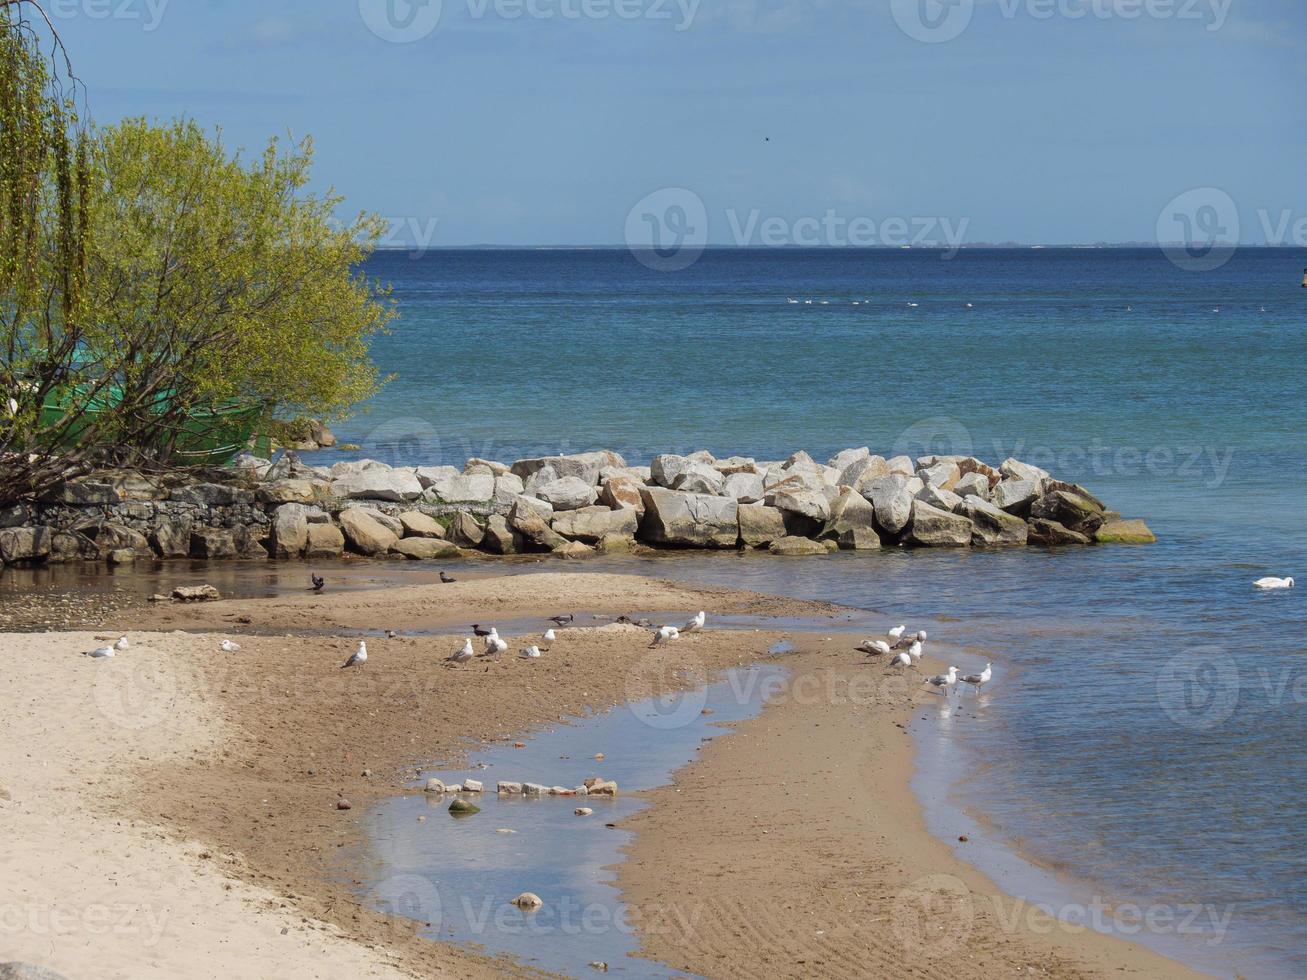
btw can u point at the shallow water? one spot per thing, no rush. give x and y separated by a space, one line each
457 876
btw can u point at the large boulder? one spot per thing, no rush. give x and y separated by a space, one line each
582 466
812 504
211 543
846 458
1016 496
700 478
747 488
792 547
291 492
533 528
376 484
665 468
476 465
941 498
112 536
68 546
1124 532
429 476
891 496
465 531
1080 513
84 492
419 525
212 495
689 519
22 544
760 525
852 523
325 541
736 464
1014 469
862 471
1050 534
27 971
935 528
943 473
476 490
620 490
593 524
424 549
349 467
901 464
568 493
973 485
364 533
993 527
500 539
290 531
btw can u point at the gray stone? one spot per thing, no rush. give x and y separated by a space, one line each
862 471
196 593
83 493
746 488
689 520
542 508
700 478
901 464
846 458
459 489
353 466
495 469
623 491
112 536
419 525
791 547
973 485
760 525
21 544
1070 509
325 541
941 498
568 493
582 466
992 526
291 492
72 546
364 533
852 523
574 549
526 521
935 528
541 477
664 469
211 495
499 538
393 485
1014 469
811 504
209 542
509 485
424 549
1016 496
26 971
736 465
892 497
1124 532
943 474
466 531
1049 534
592 524
290 531
428 476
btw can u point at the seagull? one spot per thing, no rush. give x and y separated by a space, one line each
530 653
1274 583
665 634
562 620
549 638
695 624
122 644
970 306
872 647
978 680
913 306
479 630
494 646
227 646
793 302
448 579
318 582
901 659
360 657
914 651
104 653
944 681
896 633
463 655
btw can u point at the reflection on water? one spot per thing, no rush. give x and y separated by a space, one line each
458 876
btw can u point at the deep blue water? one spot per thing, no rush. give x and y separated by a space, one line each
1146 732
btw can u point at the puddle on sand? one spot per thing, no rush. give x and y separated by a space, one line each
458 875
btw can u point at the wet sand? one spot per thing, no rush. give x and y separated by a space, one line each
205 784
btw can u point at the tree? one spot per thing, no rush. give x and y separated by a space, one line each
219 282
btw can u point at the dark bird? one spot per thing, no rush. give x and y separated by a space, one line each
447 578
480 630
562 620
319 583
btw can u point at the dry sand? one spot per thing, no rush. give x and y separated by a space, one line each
173 810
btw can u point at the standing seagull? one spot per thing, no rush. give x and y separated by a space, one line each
464 653
494 644
914 651
896 634
665 634
910 639
1274 583
360 657
122 644
979 680
548 639
695 624
944 681
874 647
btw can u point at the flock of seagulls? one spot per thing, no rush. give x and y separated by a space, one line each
906 650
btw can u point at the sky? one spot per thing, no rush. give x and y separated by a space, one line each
543 122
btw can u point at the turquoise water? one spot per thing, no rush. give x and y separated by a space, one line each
1148 733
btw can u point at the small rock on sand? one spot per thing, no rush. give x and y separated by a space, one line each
529 902
344 804
196 593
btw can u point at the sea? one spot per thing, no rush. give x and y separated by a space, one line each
1145 738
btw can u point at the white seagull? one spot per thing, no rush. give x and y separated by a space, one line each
914 651
530 653
944 681
1274 583
104 653
464 653
360 657
896 633
901 659
122 644
227 646
979 680
695 624
665 634
872 647
549 638
495 646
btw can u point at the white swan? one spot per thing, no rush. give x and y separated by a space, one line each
1274 583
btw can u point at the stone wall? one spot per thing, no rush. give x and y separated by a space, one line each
573 506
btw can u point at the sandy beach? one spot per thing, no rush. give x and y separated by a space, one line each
173 811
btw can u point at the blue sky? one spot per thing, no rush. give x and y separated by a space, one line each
1040 121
